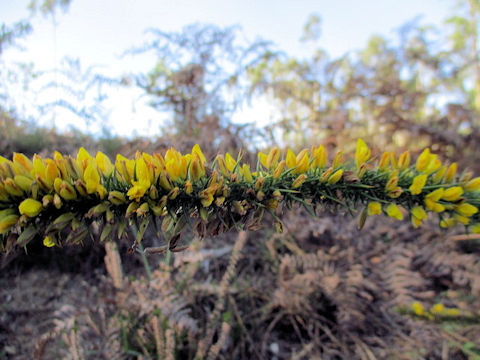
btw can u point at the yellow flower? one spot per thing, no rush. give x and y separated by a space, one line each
435 195
279 169
404 160
476 228
473 185
197 169
222 166
319 158
23 182
461 219
417 185
394 212
437 309
392 181
374 208
434 206
230 162
418 215
299 181
338 159
22 164
448 222
433 165
47 241
291 159
452 194
384 160
6 222
83 158
91 177
424 160
466 209
451 172
335 177
196 150
30 207
272 158
247 175
362 153
417 308
302 163
263 159
438 176
104 164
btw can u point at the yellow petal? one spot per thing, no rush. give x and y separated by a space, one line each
362 153
91 177
104 164
374 208
291 159
394 212
196 150
418 183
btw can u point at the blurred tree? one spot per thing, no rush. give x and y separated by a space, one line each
199 76
416 91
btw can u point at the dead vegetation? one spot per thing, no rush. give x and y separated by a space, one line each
320 290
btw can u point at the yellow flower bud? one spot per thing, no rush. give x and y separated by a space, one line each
48 242
384 160
302 164
319 158
291 159
326 175
272 158
230 162
30 207
451 172
473 185
362 153
7 222
424 160
263 159
392 181
279 169
247 175
188 187
338 159
335 177
404 160
299 181
452 194
466 209
259 183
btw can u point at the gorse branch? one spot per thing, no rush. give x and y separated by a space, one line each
57 199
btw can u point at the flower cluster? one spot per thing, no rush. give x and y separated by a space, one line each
57 199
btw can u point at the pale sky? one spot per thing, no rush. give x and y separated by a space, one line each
98 31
